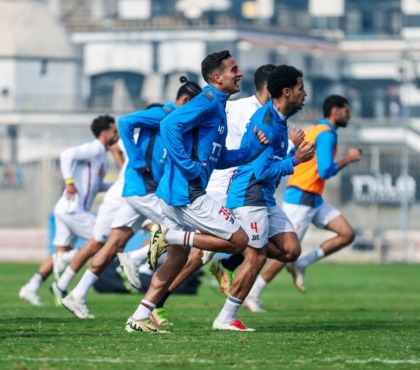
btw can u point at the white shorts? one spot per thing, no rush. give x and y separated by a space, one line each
219 195
106 213
204 214
302 216
135 210
70 226
261 223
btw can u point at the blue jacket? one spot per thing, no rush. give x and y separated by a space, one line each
148 150
255 183
194 134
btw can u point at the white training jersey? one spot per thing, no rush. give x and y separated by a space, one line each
86 164
114 194
238 113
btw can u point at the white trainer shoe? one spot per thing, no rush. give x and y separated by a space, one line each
59 264
145 326
77 308
130 270
30 296
253 304
234 326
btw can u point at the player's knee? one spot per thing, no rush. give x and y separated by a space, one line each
295 252
239 241
348 237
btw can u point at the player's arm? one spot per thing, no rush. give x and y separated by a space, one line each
296 137
267 169
352 155
175 125
117 154
69 157
253 144
324 150
147 119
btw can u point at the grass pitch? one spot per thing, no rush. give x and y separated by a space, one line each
353 316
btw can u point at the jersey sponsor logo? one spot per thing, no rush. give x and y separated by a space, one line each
215 152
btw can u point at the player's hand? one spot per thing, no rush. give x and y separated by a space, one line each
261 136
71 191
296 135
305 151
354 154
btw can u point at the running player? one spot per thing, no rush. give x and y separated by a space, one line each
251 193
194 137
147 158
303 202
83 168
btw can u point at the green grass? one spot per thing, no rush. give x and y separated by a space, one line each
353 316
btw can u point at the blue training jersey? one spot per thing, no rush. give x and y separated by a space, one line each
255 183
195 134
148 150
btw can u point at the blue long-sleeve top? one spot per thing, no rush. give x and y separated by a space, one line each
254 184
195 134
148 150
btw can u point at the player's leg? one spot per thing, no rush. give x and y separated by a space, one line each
330 219
283 247
224 235
194 262
219 230
271 269
63 240
255 222
29 292
75 301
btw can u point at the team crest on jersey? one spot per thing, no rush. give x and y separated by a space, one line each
227 215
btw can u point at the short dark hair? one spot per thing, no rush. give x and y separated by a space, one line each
333 101
101 123
261 75
213 62
189 88
283 76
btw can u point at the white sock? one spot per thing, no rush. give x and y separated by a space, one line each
139 255
66 278
69 255
81 289
35 282
229 310
144 310
177 237
258 287
313 256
